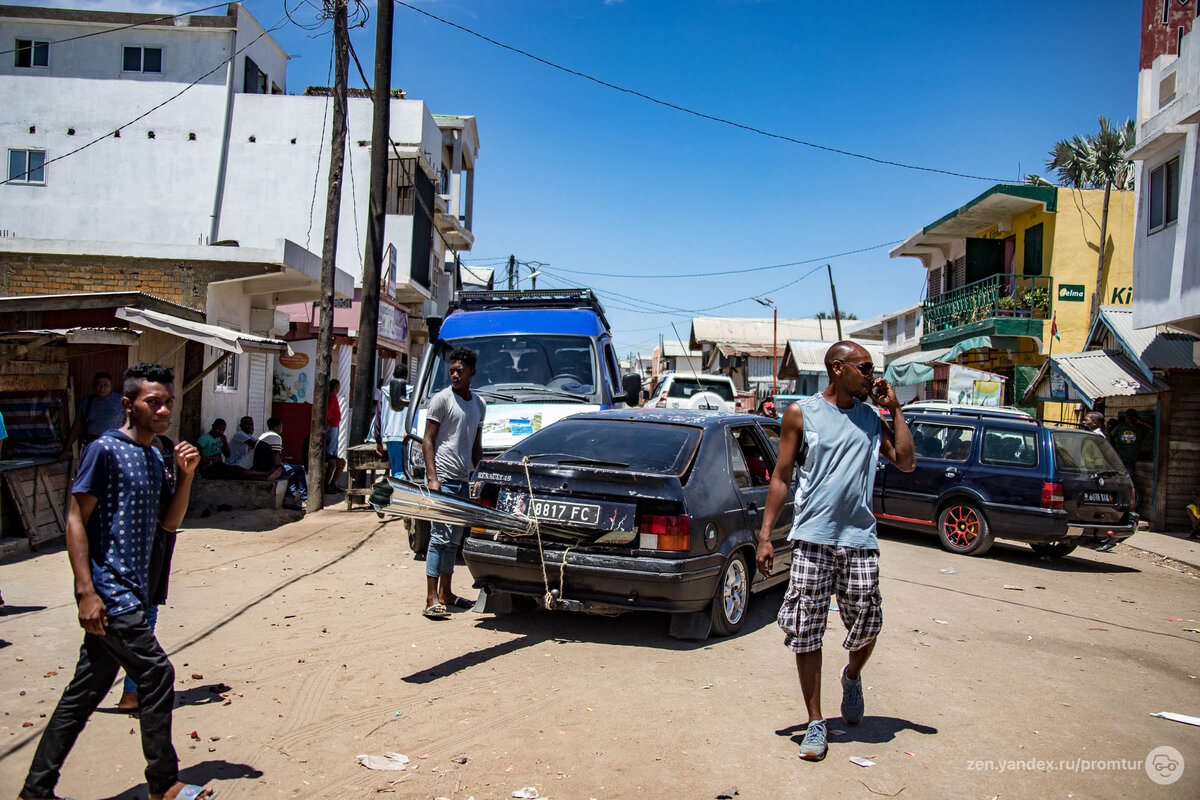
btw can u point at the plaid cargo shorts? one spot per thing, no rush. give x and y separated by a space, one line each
818 570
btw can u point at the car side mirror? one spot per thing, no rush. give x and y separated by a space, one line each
398 394
631 386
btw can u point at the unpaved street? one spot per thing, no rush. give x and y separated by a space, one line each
315 628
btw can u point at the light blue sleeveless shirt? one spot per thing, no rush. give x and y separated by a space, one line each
833 498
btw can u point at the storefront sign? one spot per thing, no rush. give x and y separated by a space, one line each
293 377
974 387
1058 385
389 271
393 323
1071 292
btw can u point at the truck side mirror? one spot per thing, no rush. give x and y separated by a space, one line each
631 385
398 394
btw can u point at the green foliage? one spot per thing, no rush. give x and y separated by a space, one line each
1093 161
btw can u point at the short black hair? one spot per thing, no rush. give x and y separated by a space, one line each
463 354
1129 411
334 382
141 373
272 422
101 376
247 417
218 422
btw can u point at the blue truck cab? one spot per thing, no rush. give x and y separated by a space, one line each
542 355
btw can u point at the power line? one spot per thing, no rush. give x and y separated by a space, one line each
693 112
126 27
116 132
733 271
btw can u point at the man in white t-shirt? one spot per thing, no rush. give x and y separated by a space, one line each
452 446
241 445
268 457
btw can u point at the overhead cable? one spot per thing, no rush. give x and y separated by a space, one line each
700 114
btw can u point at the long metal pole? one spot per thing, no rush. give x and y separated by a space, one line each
774 349
368 320
333 207
837 317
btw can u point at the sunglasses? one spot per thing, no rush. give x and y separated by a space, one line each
866 368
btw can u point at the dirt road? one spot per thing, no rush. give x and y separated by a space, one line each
315 629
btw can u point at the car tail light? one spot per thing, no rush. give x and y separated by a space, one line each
657 532
1132 499
662 401
483 501
1052 495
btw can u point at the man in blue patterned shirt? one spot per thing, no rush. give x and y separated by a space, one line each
119 498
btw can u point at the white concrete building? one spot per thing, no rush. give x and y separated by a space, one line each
900 334
1166 254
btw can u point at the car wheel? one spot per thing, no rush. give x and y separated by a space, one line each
963 529
732 597
418 536
1055 550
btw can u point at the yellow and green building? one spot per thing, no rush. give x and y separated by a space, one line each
1005 267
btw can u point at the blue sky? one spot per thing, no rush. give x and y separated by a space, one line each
585 178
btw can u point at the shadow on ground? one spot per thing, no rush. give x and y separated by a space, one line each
872 730
1012 553
204 773
253 520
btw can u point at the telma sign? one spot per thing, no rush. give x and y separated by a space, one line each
1071 292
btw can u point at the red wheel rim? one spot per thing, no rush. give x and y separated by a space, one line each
961 524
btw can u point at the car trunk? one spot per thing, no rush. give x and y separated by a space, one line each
1095 487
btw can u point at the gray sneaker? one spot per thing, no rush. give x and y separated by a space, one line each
816 742
852 700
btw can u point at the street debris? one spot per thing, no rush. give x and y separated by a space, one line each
387 761
941 622
460 760
728 794
1184 718
1014 588
948 571
862 762
528 793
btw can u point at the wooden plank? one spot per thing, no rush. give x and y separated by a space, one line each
23 511
32 383
50 498
24 367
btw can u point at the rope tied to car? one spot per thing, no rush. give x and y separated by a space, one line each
548 599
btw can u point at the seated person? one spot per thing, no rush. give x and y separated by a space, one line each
268 461
214 448
242 444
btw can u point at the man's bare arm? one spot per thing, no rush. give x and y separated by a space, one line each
431 432
781 481
93 616
186 459
477 447
896 442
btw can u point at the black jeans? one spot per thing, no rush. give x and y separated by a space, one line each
129 643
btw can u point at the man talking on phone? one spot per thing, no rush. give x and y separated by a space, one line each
836 439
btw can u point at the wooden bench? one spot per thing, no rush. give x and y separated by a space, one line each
363 467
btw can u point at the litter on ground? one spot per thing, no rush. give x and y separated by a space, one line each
387 761
1184 718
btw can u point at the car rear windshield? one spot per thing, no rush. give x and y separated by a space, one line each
617 444
686 387
1084 453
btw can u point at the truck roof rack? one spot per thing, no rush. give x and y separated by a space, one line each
997 416
479 300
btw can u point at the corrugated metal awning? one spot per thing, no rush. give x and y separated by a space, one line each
216 337
914 367
1090 376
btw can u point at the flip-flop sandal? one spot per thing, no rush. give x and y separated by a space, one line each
436 611
192 791
462 602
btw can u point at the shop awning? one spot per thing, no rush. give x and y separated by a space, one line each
915 367
214 336
1090 376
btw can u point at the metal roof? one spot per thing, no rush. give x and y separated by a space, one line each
674 349
808 355
755 336
1163 347
1095 374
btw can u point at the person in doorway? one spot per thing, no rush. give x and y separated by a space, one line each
98 412
837 439
114 514
268 460
241 445
333 418
387 429
1094 422
214 450
452 446
1127 436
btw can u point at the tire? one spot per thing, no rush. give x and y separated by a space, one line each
732 597
707 401
418 536
1055 550
963 529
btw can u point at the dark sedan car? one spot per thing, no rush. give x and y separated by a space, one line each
642 509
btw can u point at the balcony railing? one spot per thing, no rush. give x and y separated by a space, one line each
995 296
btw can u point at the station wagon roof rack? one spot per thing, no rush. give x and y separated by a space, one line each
981 414
480 300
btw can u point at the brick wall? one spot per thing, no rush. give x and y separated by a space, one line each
22 275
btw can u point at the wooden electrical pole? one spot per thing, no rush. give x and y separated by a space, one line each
333 207
837 317
362 399
512 268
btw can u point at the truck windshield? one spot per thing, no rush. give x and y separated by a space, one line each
547 368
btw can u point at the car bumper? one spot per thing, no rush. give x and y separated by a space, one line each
1048 525
595 582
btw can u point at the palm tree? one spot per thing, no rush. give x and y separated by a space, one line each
1094 161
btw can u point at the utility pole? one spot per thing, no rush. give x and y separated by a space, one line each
362 398
512 269
333 205
836 316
